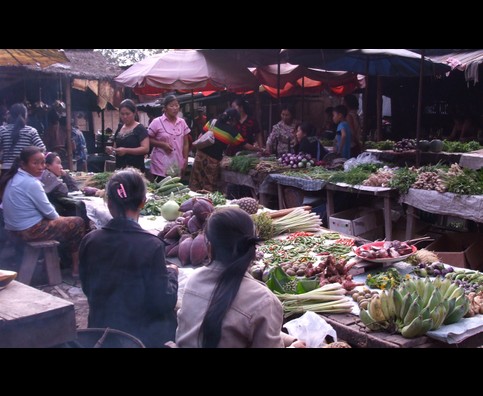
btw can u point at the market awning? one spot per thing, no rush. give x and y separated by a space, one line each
35 57
467 61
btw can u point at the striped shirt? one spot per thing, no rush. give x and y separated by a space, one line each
28 137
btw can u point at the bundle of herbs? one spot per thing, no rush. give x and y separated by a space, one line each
243 163
356 175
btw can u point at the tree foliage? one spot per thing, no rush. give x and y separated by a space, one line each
126 57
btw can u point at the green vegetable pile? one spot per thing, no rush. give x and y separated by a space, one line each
217 198
384 280
459 147
355 175
98 180
403 179
243 163
384 145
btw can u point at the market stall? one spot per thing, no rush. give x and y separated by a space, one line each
449 204
382 192
408 158
428 312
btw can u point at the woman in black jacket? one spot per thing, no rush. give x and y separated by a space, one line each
57 185
123 271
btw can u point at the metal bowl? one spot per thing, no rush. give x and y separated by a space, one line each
6 277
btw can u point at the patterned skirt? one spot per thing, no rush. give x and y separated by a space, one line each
205 174
67 230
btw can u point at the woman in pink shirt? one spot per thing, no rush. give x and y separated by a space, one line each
168 135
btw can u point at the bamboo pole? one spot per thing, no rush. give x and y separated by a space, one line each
68 111
420 109
379 109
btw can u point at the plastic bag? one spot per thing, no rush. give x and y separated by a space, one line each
364 158
173 170
312 329
205 140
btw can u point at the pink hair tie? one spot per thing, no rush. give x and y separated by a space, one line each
121 191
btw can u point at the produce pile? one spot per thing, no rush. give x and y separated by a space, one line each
323 258
434 145
272 224
184 237
441 178
98 180
168 189
415 307
385 280
470 281
388 249
167 186
299 295
296 161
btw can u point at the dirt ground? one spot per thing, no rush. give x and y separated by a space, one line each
73 293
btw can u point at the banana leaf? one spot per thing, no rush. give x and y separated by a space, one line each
278 281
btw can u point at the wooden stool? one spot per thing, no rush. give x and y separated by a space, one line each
31 254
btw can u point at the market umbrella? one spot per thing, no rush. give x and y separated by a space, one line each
22 57
370 62
186 70
382 62
291 74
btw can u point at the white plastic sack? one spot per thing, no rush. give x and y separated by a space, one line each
363 158
311 328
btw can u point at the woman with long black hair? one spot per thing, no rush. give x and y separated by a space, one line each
223 306
16 135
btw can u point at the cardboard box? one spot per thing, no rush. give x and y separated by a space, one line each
459 249
474 255
356 221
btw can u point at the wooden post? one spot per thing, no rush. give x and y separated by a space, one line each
303 97
278 78
420 109
68 105
365 126
103 122
258 113
379 109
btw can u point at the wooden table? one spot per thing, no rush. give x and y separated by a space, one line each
30 318
386 193
350 329
408 158
447 204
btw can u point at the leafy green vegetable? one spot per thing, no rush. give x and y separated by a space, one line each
384 280
355 175
403 179
465 183
217 198
99 180
384 145
459 147
279 281
243 163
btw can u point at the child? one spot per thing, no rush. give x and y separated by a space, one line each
342 141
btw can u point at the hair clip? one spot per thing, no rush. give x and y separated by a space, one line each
121 191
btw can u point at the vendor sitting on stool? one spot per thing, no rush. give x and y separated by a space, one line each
57 184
